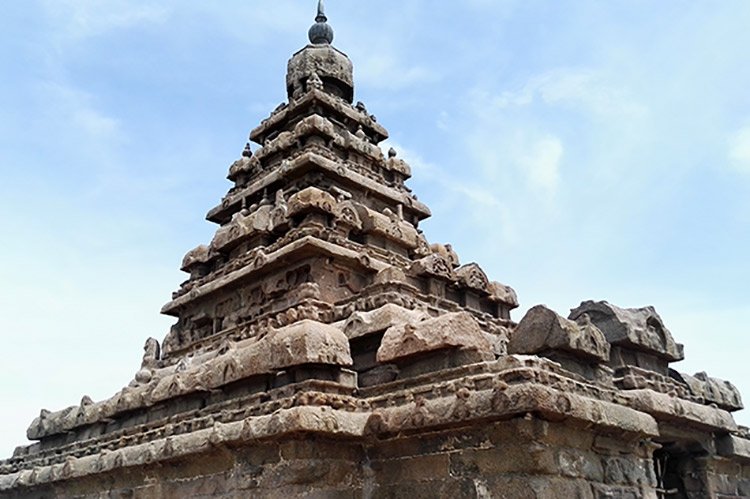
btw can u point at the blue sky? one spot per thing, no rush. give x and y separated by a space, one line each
575 149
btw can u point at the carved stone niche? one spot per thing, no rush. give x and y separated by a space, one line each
433 265
504 294
446 251
578 346
397 165
475 289
638 335
242 226
241 170
347 214
473 277
312 206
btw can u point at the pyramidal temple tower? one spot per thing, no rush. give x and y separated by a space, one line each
324 348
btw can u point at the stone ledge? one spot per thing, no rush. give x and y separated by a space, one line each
665 407
361 324
734 447
329 167
460 409
506 402
305 342
277 256
325 420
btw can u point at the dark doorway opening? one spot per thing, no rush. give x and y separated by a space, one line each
670 465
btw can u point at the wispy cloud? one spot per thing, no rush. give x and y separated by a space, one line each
95 123
458 184
739 150
77 115
475 196
505 151
582 89
542 164
78 19
382 70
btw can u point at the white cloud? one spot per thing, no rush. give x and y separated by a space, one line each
85 18
508 99
95 123
739 150
586 89
384 70
509 153
70 106
474 193
542 164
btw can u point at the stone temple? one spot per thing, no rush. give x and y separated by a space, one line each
324 348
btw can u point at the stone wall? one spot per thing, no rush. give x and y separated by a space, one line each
520 458
307 466
727 478
523 458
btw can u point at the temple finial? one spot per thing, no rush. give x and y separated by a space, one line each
321 33
321 17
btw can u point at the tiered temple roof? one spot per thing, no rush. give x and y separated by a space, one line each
320 308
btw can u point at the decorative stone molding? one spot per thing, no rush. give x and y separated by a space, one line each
472 276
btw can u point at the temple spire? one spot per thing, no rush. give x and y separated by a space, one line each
321 32
321 17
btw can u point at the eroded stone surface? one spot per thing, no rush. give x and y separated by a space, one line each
361 324
457 330
639 328
307 342
714 391
639 341
542 330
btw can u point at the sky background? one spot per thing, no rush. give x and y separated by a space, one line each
576 149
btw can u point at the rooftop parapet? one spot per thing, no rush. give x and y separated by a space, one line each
638 335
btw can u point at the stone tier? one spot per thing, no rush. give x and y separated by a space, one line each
268 282
315 159
356 148
351 117
483 393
